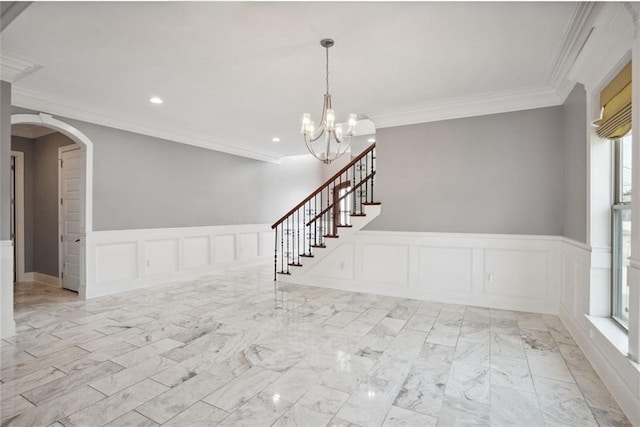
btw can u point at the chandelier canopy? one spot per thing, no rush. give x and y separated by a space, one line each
336 140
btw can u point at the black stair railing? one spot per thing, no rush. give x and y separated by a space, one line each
318 217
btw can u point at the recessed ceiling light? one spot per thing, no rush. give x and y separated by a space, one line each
371 140
275 139
155 100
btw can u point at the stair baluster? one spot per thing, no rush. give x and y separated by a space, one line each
357 178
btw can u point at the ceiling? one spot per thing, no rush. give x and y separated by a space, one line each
30 131
235 74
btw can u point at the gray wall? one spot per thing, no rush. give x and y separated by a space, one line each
574 164
5 160
26 146
41 200
146 182
498 173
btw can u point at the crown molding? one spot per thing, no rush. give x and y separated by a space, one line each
573 41
14 68
606 50
38 102
634 10
554 92
468 106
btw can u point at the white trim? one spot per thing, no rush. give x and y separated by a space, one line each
14 68
468 106
576 35
20 237
620 375
35 101
8 324
514 272
79 138
86 147
42 278
148 257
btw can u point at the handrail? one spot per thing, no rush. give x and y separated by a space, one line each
328 208
328 182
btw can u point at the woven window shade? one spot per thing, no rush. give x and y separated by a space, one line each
615 101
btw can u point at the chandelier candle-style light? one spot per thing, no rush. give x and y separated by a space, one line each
334 144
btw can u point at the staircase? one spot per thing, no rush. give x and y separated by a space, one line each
340 207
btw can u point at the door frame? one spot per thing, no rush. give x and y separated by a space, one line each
19 238
86 150
61 231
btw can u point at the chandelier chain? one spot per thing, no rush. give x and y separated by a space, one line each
327 50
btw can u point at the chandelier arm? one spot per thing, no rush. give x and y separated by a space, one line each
346 148
310 148
317 134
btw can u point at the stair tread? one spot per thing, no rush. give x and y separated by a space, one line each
345 226
293 264
284 272
331 236
306 255
318 246
358 214
372 203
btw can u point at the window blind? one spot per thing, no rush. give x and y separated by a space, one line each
615 103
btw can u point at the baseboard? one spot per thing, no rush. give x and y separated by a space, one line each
8 328
42 278
614 369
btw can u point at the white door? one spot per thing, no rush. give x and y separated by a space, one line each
70 216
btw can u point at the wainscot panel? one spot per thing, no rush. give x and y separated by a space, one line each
123 260
513 272
603 343
6 291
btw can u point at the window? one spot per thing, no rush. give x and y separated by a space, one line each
621 229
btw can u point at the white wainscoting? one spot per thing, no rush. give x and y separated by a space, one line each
502 271
6 292
602 342
128 259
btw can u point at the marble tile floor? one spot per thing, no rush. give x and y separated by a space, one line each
232 350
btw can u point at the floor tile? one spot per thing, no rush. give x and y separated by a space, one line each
261 410
317 407
399 417
469 381
116 405
132 419
241 389
200 414
143 353
461 412
562 402
223 349
512 373
511 407
130 376
56 409
172 402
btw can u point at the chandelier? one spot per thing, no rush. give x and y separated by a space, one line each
333 145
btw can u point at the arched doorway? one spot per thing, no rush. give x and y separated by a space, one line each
86 181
